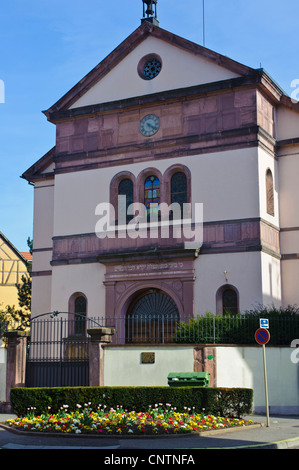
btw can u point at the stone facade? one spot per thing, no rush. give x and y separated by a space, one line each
225 126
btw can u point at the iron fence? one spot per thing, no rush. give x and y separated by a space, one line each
67 337
236 329
58 352
58 348
201 329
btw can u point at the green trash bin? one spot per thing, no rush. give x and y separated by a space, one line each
188 379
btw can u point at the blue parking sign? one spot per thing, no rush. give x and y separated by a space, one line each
264 323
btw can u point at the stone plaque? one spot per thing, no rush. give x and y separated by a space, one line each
148 358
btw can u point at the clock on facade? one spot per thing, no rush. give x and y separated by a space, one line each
149 125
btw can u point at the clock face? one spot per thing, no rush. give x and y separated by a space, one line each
149 125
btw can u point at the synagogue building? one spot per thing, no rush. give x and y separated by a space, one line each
162 121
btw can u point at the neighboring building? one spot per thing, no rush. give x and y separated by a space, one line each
13 265
162 119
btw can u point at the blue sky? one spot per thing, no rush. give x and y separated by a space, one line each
47 46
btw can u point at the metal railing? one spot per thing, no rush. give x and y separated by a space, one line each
202 329
235 329
159 329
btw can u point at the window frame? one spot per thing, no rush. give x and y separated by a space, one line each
219 299
73 315
270 209
114 190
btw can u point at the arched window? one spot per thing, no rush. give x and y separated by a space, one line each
152 318
269 192
179 188
227 300
152 194
80 308
125 188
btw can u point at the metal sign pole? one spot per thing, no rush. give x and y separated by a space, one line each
266 385
262 336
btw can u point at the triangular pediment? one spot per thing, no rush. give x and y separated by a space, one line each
43 168
184 64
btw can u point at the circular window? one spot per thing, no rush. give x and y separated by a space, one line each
149 67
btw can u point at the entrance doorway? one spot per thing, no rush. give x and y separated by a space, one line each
152 318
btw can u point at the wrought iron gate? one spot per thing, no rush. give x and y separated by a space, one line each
57 354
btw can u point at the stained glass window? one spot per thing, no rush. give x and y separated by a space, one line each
179 188
152 194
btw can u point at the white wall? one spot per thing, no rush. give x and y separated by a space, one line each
84 278
289 189
236 366
290 277
287 123
243 272
193 70
41 295
42 246
271 280
289 222
122 365
43 214
226 183
243 367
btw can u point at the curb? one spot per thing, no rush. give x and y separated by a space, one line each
290 443
285 444
136 436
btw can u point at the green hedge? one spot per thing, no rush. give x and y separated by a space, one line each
228 402
240 328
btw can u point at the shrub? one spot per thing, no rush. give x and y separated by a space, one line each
240 328
227 402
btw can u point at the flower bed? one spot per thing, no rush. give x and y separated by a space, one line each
158 420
